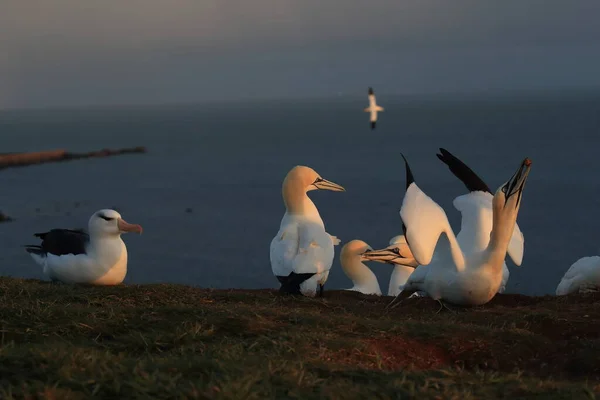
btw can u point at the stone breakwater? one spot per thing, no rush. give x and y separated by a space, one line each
11 160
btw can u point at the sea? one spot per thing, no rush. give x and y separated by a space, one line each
208 191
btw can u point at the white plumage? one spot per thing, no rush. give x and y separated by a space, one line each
302 252
467 273
355 252
373 108
98 258
583 276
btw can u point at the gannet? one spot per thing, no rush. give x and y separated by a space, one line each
404 267
74 256
373 108
477 216
364 280
302 251
582 277
457 275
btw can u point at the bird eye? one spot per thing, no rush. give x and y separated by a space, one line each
396 250
503 189
104 217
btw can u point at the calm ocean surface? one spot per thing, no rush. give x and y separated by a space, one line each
227 163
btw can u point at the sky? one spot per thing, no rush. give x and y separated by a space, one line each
56 53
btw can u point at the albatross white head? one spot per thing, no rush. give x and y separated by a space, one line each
298 182
109 223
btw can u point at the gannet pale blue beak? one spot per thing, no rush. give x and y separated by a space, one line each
516 183
324 184
389 255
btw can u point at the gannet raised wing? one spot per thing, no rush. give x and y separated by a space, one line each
456 275
477 216
73 256
373 108
302 251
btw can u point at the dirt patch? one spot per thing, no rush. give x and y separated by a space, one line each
402 353
389 354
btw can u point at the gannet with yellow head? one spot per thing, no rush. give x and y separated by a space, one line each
458 275
302 251
355 252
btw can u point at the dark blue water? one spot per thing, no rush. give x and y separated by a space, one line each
227 162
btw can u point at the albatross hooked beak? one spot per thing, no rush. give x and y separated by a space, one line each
516 183
324 184
125 226
389 255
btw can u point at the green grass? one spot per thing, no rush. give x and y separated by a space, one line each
172 341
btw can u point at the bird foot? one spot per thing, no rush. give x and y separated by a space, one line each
444 305
394 303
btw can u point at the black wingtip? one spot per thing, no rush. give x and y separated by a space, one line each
34 249
409 175
370 90
465 174
291 284
372 125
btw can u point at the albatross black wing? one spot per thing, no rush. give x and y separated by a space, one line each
471 180
60 242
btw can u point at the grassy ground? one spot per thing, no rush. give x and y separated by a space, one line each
171 341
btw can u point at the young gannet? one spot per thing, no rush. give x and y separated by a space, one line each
582 277
461 276
302 252
364 280
73 256
373 108
477 215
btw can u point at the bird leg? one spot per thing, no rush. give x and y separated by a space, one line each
442 306
391 303
321 290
